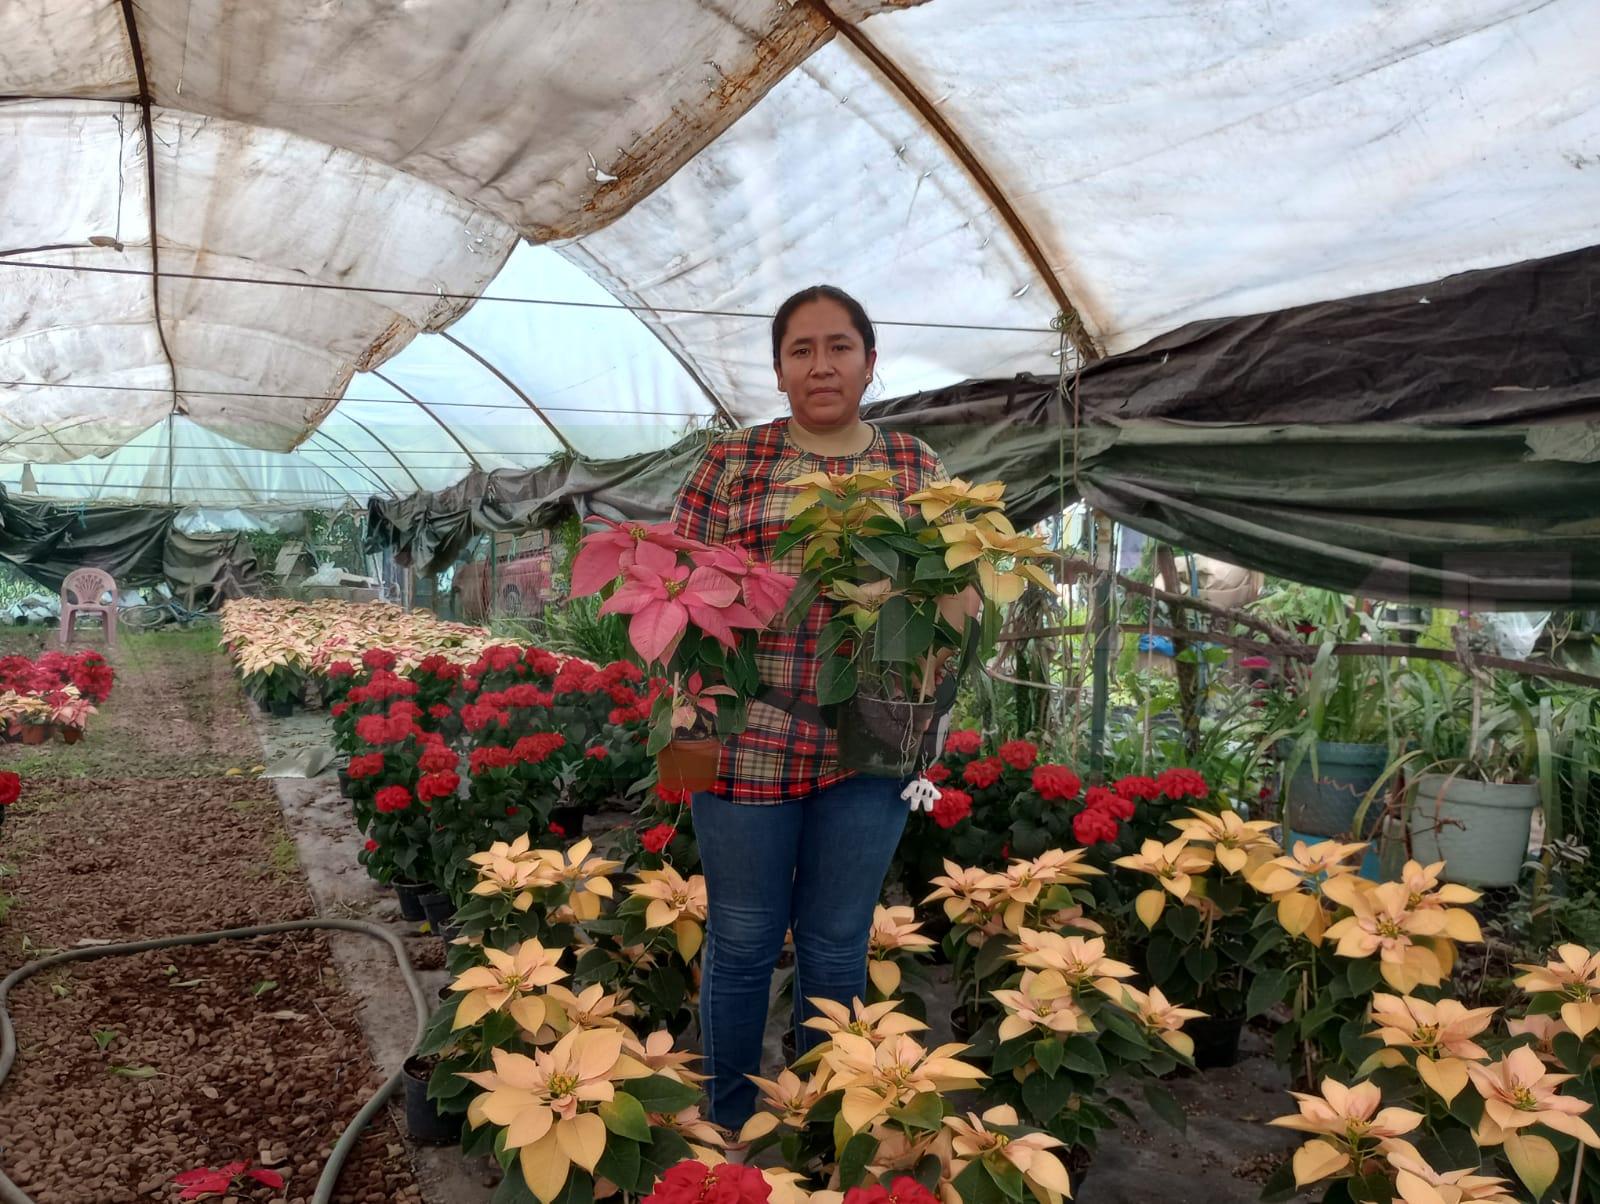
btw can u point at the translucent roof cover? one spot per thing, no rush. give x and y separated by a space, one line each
299 254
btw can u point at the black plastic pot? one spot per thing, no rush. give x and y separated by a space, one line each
282 708
1216 1040
882 737
344 781
436 908
410 896
570 821
448 930
424 1122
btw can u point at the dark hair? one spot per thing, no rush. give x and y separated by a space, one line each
822 292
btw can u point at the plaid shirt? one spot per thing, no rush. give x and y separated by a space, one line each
732 497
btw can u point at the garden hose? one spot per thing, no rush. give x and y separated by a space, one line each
10 1193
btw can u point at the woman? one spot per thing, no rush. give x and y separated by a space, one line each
788 841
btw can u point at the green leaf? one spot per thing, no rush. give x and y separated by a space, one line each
579 1189
930 567
1006 1177
879 555
625 1117
1083 1055
1201 962
1267 990
975 1186
1048 1053
622 1164
836 680
512 1189
661 1094
1011 1054
925 1112
904 631
853 1159
1164 1106
1045 1096
1280 1185
135 1072
1183 921
1363 976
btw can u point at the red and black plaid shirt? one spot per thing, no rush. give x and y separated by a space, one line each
733 497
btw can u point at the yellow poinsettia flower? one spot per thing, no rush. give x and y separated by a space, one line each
586 876
676 902
1544 1030
1237 843
895 930
545 1104
1173 864
1160 1017
1441 1033
1348 1122
1418 1183
786 1100
1381 923
1518 1092
814 486
1043 1000
592 1008
942 496
1295 881
974 1141
876 1022
509 981
1080 960
889 1074
968 892
1574 974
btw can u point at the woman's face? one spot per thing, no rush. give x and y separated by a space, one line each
824 366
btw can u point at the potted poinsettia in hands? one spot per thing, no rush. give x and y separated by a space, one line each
910 594
693 613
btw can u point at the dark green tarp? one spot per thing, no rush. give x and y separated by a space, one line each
1436 443
137 545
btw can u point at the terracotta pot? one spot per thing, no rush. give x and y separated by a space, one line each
71 735
687 764
35 733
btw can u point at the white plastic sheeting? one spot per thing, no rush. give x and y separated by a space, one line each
1172 160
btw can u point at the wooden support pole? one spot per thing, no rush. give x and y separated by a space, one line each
1100 622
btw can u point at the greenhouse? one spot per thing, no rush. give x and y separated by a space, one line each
802 602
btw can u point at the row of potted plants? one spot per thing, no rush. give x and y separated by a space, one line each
54 693
281 646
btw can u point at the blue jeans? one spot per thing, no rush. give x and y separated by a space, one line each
814 865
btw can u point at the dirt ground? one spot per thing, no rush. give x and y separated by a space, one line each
132 1070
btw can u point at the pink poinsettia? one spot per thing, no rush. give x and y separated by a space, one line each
764 590
664 602
604 555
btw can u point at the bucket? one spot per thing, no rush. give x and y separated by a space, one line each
882 737
424 1122
1478 829
1325 803
689 764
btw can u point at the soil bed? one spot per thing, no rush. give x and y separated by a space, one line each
132 1070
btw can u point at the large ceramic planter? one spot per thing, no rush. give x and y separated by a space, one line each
884 738
1325 803
689 764
1478 829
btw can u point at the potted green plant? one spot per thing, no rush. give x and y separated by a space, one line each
1331 724
909 594
1472 805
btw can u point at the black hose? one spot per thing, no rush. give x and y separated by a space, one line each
10 1193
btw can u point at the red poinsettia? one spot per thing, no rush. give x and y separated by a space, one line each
691 1182
904 1190
205 1181
10 787
658 837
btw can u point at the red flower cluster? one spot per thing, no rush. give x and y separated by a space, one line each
964 742
1056 783
1019 754
1109 802
438 666
378 658
904 1190
382 686
671 797
535 749
341 669
432 786
658 837
54 670
541 662
1137 787
982 774
392 798
365 765
691 1182
953 807
937 772
1094 827
338 709
440 711
1183 783
437 758
575 677
385 729
490 756
10 787
475 717
371 846
595 752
